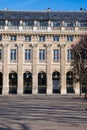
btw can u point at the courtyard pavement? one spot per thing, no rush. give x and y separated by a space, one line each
43 112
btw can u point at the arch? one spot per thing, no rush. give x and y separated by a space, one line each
27 82
1 82
42 82
69 82
56 82
13 82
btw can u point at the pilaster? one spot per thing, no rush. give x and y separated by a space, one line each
5 89
49 69
34 69
63 69
20 69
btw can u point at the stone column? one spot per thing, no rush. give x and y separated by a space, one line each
49 70
77 88
34 69
20 69
5 89
63 69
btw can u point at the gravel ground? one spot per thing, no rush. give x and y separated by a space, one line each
43 112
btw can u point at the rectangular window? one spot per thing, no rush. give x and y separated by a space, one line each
13 54
28 23
56 24
27 54
43 23
42 38
13 23
0 37
2 23
27 38
55 54
0 54
42 54
13 38
69 38
69 55
55 38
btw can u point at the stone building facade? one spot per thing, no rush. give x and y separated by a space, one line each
36 51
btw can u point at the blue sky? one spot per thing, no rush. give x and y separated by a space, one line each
66 5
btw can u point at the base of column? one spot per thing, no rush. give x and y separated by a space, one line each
63 91
49 91
20 91
5 91
35 91
77 91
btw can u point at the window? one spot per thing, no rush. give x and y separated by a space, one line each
84 24
28 23
41 54
27 54
55 54
13 23
42 38
70 24
55 38
69 55
13 54
56 24
69 38
43 23
27 38
0 37
0 54
2 23
13 38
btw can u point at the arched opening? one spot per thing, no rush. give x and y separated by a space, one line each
1 82
13 83
42 82
56 82
69 82
27 78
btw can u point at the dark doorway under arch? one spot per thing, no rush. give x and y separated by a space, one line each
42 83
1 82
13 83
69 82
56 82
27 79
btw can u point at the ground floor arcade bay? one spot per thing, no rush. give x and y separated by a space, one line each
29 84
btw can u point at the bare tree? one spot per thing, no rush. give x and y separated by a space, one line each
80 62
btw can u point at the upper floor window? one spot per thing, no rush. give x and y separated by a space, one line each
69 55
0 37
13 23
13 55
0 54
70 24
70 38
83 24
27 54
27 38
56 24
2 23
42 38
55 38
27 23
13 38
43 23
55 54
42 54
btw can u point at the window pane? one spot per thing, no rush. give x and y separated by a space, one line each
55 38
69 38
55 54
27 54
0 37
13 54
42 54
69 54
27 38
41 38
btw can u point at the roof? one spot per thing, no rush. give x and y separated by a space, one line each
43 15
